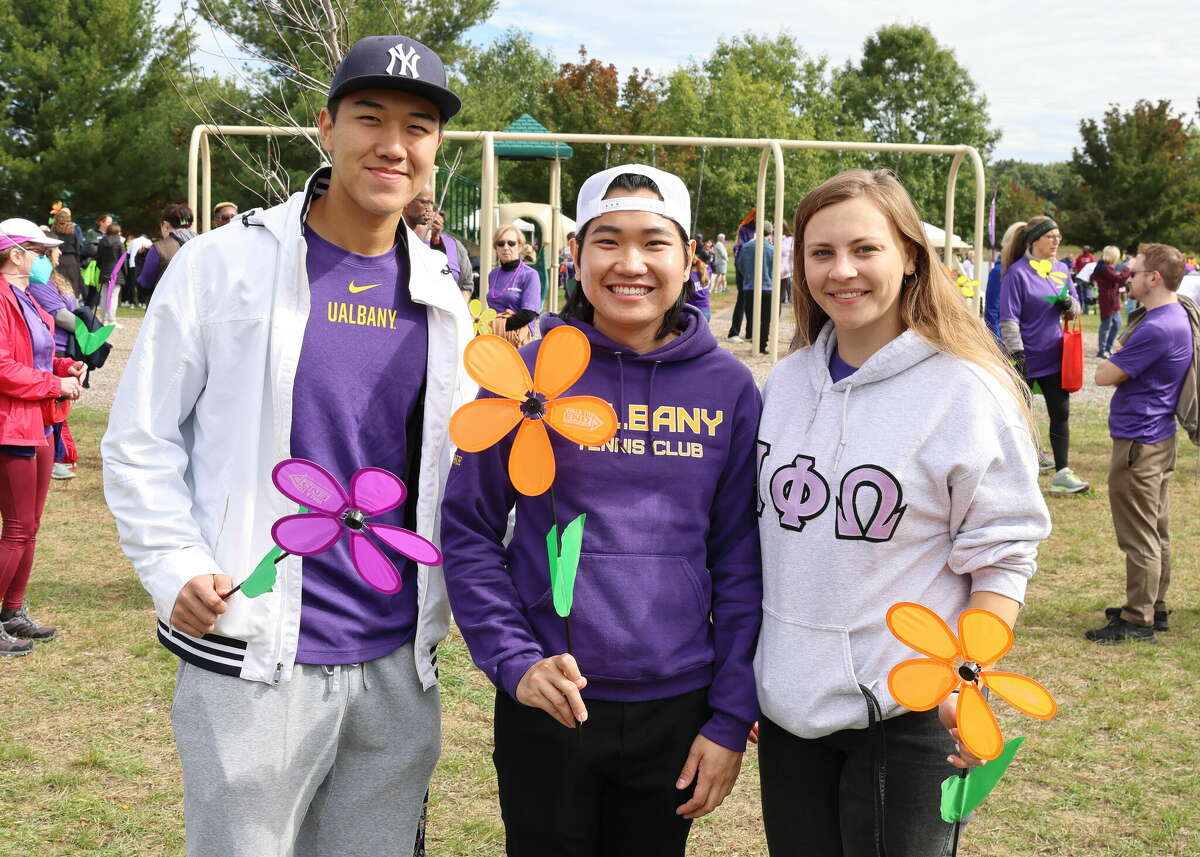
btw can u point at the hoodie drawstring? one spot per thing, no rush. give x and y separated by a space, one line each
650 402
620 397
842 439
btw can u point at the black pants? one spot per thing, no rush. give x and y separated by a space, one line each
609 792
1058 403
765 318
818 796
739 307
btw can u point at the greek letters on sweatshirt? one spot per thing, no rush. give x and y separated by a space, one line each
668 592
911 479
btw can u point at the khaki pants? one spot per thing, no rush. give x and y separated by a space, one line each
1138 478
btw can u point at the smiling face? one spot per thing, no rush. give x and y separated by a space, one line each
1046 247
632 266
854 264
383 146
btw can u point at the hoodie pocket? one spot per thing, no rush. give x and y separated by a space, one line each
806 679
637 617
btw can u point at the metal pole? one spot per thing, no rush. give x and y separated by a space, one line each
555 231
777 270
760 204
487 209
951 183
198 131
206 154
980 190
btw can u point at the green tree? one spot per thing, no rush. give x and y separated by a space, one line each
1140 177
88 110
907 88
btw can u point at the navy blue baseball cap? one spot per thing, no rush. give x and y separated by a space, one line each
395 62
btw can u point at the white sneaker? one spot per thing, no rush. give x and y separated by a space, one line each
1066 482
735 339
61 470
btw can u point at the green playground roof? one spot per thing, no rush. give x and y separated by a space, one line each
530 150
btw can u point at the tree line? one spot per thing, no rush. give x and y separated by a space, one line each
97 106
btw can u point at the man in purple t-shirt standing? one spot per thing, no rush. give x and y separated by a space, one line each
1148 371
306 710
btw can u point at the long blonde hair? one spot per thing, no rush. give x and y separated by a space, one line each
930 302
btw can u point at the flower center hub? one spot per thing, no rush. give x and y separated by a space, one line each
534 407
353 519
969 671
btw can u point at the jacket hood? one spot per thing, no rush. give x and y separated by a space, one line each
902 353
695 338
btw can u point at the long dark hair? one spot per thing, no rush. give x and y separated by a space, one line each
578 306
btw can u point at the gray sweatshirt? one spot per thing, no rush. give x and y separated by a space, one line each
913 479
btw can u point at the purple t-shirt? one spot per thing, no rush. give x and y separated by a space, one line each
514 290
39 335
1156 359
52 300
839 368
1023 299
358 386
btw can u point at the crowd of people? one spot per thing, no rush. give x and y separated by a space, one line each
748 607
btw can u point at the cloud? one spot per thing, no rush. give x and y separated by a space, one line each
1042 71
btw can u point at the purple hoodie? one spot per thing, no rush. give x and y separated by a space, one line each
669 589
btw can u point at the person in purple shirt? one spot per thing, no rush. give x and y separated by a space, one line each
667 599
514 290
1148 370
307 713
1036 294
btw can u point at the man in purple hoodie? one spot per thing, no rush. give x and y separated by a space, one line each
667 599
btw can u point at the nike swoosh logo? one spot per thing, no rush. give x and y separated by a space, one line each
356 289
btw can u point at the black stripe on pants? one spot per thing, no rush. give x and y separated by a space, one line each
608 793
1058 403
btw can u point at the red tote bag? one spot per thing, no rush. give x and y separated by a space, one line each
1072 359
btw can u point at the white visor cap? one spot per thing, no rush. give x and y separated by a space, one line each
26 231
675 205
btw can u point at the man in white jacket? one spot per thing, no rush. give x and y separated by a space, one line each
306 717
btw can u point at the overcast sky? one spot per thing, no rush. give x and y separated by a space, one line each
1042 67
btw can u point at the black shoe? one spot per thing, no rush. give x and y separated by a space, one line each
1120 631
1160 617
10 646
22 626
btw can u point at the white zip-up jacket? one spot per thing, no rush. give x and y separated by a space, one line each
204 411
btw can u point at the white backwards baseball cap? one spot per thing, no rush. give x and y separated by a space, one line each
675 205
24 231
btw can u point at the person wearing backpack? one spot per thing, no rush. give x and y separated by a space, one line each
1154 372
176 231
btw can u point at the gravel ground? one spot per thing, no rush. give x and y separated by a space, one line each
104 382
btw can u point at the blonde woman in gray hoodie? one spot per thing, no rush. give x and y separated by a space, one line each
897 462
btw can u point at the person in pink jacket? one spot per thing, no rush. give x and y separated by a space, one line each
32 381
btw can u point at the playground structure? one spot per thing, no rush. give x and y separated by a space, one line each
200 182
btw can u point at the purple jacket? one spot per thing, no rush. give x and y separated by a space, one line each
1023 299
669 589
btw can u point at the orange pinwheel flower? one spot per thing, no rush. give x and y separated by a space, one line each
922 683
495 365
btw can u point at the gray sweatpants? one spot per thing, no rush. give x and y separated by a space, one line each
335 762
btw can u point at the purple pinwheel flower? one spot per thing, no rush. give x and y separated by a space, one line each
373 491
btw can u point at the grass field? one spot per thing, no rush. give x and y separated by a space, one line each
87 764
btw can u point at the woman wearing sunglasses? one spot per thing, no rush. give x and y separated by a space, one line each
514 290
31 378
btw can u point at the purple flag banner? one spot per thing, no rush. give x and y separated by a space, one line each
992 219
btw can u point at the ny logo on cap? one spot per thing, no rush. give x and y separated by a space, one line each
408 62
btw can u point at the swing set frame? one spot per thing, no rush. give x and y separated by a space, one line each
770 150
